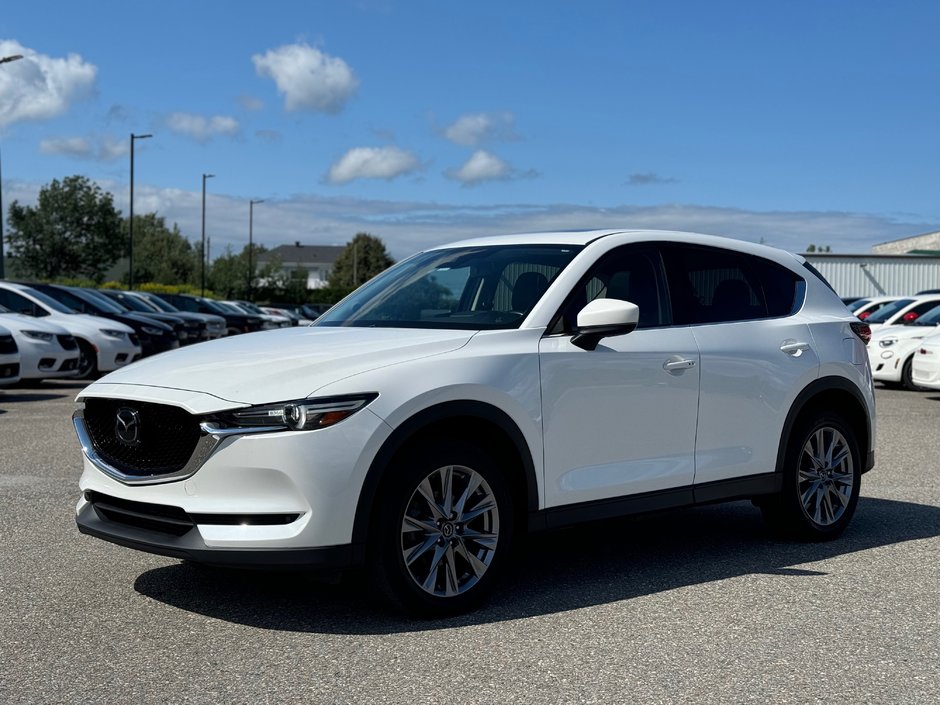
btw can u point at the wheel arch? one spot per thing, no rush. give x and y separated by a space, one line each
462 419
831 393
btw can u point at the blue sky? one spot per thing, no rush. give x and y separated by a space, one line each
424 122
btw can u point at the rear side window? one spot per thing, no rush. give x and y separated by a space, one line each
711 285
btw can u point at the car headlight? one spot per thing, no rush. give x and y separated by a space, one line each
39 335
111 333
299 415
149 330
887 342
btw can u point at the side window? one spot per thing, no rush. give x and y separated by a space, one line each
20 304
628 273
70 300
711 285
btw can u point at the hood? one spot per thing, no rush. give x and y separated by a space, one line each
278 365
19 322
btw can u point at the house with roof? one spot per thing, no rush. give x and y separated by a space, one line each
316 260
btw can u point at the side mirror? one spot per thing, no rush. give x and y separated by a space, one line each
603 318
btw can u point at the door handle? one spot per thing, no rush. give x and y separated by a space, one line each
794 348
677 363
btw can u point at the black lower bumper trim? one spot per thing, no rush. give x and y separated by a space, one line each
190 546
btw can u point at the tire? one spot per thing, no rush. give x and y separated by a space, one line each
443 530
87 361
907 376
821 480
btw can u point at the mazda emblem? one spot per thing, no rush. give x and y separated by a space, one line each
127 426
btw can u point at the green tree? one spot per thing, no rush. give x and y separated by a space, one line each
73 231
161 254
363 258
228 273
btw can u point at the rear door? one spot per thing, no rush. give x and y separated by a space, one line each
757 354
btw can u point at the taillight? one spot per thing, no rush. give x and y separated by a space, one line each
862 330
863 316
908 317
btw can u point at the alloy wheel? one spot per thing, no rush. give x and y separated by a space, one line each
826 476
449 531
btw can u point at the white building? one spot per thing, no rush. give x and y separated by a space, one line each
316 260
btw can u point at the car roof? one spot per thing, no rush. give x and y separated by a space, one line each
583 238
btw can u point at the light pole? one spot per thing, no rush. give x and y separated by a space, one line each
204 252
251 220
3 215
130 224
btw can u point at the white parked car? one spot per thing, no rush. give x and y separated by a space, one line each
9 358
891 350
926 367
47 351
863 308
903 311
483 389
103 344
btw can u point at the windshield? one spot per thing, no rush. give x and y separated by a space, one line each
931 318
47 301
888 311
473 288
129 301
856 305
101 301
159 303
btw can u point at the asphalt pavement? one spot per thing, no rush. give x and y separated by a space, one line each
698 606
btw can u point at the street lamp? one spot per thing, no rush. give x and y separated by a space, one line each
4 60
204 252
131 221
251 220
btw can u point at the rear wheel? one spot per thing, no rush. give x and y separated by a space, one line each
443 530
821 480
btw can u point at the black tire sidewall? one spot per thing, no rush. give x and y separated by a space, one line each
386 560
793 516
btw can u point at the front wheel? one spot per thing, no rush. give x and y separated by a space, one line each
444 529
821 480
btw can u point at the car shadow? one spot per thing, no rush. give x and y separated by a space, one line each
551 572
29 396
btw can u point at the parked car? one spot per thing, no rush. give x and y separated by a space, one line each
47 350
235 322
278 320
925 371
863 308
103 345
484 389
294 318
215 324
9 358
903 311
891 350
268 322
188 329
154 336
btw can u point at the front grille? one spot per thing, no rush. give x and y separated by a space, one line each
165 437
67 342
10 371
7 345
155 517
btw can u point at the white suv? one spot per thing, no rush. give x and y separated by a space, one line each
487 388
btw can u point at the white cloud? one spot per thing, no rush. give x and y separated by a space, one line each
39 87
102 149
307 78
372 163
202 128
473 129
482 166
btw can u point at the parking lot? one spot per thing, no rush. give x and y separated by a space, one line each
699 606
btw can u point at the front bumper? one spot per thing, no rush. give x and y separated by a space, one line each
191 546
292 494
